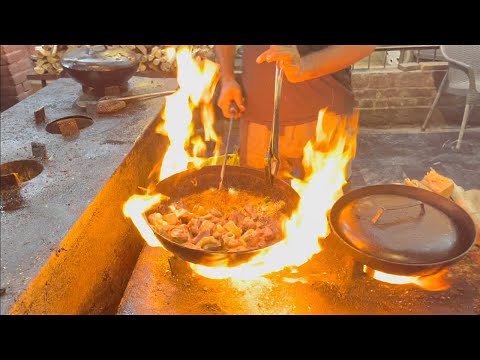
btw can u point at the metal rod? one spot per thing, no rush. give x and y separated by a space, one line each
233 111
380 211
272 160
163 93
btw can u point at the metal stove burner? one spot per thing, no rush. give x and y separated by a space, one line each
107 91
90 94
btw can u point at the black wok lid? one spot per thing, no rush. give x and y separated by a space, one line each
401 224
99 58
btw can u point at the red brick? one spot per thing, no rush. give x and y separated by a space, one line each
27 85
424 101
382 81
378 104
365 94
401 102
438 76
417 92
5 49
365 103
12 69
18 97
25 64
30 49
12 57
14 80
12 90
415 79
360 80
6 103
25 95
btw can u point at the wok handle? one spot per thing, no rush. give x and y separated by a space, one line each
382 210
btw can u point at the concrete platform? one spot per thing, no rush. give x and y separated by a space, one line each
161 284
324 285
65 250
385 156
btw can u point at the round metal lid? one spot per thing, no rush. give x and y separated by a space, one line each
99 58
396 224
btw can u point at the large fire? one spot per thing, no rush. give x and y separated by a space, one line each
325 161
434 282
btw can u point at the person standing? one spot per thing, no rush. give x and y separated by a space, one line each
317 77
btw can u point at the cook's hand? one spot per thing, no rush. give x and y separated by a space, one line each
288 59
231 91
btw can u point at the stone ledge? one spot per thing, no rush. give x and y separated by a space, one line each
65 252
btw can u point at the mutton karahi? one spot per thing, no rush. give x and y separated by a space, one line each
215 220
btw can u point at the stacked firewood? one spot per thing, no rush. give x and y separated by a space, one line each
160 58
47 58
157 58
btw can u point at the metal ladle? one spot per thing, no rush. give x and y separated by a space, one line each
117 103
233 113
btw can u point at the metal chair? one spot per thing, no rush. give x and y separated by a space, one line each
462 78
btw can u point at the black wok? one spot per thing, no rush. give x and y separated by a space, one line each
401 229
190 182
98 67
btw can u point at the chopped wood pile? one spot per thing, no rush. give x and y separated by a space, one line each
157 58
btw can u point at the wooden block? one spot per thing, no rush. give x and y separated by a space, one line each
434 65
68 127
409 66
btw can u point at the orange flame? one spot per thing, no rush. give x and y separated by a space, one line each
134 209
325 162
170 53
435 282
325 159
197 81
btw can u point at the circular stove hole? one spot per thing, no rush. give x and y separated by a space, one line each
81 121
17 172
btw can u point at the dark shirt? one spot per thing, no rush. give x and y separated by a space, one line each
300 102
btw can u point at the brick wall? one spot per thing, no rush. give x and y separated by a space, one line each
14 66
402 98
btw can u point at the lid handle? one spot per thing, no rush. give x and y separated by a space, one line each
380 211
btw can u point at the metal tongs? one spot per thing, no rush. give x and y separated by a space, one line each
233 113
272 160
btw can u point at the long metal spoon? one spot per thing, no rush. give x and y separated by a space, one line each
233 113
83 104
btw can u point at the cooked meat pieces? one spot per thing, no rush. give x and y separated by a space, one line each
220 221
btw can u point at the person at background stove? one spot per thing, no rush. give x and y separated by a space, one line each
318 76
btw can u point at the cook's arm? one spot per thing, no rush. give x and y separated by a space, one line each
331 59
226 59
231 90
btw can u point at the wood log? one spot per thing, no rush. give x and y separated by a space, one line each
142 48
52 59
152 67
39 70
44 52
